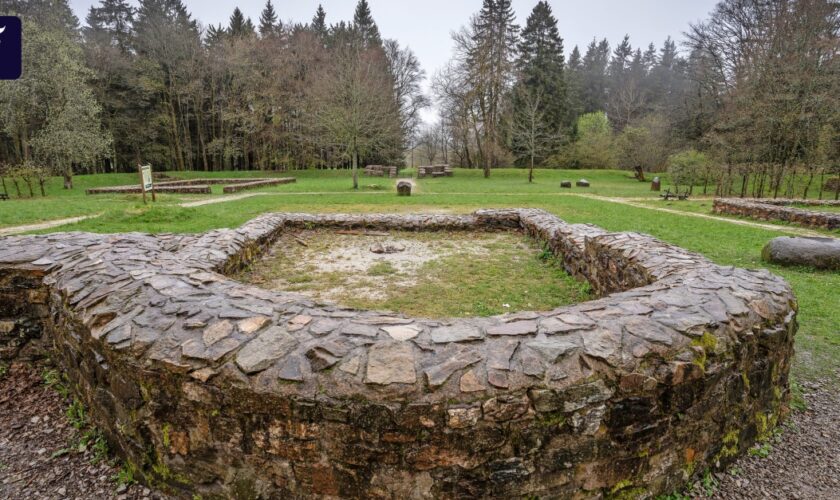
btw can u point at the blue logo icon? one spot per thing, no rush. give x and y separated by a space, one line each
10 48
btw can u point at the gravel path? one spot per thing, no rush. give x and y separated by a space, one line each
6 231
803 461
220 199
35 436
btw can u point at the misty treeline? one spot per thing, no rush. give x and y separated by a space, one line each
149 84
746 105
749 105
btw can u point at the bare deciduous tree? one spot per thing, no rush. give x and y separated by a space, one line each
353 102
531 135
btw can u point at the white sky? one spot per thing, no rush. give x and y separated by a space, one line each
425 25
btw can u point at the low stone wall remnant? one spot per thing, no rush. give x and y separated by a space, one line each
242 186
176 189
196 186
777 210
211 387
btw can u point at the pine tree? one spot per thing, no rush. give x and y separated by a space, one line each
649 59
620 61
239 26
540 64
574 86
268 20
364 24
110 23
215 35
319 22
594 81
490 64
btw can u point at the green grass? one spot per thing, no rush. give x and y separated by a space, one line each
818 340
466 274
819 208
508 279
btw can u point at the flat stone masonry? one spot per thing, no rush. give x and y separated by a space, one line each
257 183
177 189
381 171
434 171
211 387
778 210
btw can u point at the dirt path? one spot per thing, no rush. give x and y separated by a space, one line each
771 227
221 199
7 231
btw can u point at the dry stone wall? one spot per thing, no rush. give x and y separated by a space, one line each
779 211
196 186
212 387
175 189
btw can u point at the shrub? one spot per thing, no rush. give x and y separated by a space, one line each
594 147
687 168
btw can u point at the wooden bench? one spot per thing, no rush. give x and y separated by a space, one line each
4 196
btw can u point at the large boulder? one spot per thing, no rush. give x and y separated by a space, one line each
822 253
404 188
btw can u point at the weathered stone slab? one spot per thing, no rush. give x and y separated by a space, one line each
452 358
265 349
459 332
217 331
391 363
526 327
403 332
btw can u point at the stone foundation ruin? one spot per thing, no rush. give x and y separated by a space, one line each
779 210
197 186
211 387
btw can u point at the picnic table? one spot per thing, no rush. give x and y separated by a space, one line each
668 195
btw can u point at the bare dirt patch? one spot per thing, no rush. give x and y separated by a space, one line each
433 274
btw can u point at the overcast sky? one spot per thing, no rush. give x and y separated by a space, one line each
425 25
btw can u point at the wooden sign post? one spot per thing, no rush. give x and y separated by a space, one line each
146 183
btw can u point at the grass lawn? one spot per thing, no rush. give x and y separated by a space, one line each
818 340
436 274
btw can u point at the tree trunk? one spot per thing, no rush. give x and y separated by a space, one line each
68 177
531 170
355 169
837 192
808 185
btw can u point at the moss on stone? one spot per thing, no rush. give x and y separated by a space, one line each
746 379
623 490
707 341
166 441
553 419
730 445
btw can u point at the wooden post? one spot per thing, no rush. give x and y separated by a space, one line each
142 187
151 173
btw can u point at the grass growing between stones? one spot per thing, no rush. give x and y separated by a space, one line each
436 274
